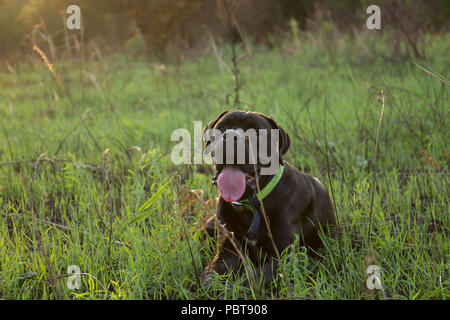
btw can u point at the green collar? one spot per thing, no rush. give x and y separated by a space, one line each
272 183
252 203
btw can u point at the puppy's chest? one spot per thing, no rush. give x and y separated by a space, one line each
246 224
238 219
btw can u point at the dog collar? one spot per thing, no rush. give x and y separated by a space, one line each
253 202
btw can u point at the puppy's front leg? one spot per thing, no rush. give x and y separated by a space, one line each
264 274
226 259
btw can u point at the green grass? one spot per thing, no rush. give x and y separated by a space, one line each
64 201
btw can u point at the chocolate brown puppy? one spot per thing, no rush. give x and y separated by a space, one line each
295 203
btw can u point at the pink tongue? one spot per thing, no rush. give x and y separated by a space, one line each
231 183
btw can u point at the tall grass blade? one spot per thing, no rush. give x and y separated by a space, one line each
149 202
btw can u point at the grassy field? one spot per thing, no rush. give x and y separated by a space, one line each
80 155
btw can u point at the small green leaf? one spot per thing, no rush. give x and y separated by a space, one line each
153 198
416 295
149 202
141 216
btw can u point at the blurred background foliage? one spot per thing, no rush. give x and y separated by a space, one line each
176 29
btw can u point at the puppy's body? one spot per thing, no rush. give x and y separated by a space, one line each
297 205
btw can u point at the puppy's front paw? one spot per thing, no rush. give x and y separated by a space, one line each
207 278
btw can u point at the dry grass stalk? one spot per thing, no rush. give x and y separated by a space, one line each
380 97
47 62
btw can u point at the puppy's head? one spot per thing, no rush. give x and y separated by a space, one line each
241 142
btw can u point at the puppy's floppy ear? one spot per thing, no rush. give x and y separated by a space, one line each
206 134
285 141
